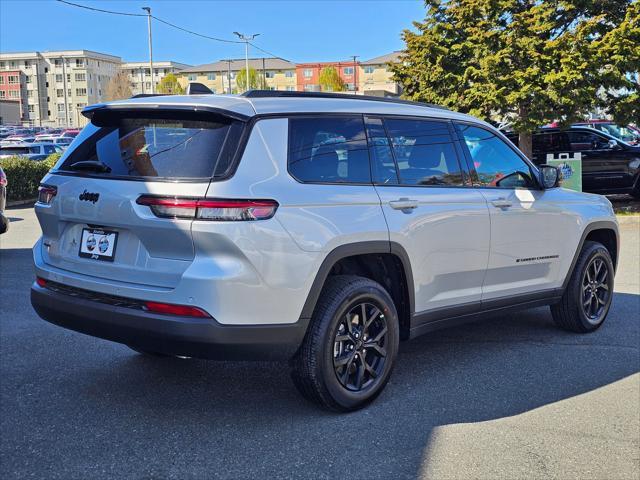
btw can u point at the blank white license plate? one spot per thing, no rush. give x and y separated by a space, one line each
98 244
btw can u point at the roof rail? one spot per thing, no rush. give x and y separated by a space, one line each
143 95
287 93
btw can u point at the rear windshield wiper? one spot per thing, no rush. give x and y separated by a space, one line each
91 165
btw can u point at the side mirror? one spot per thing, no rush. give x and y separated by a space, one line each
613 144
549 176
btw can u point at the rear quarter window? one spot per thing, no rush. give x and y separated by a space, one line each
326 149
168 148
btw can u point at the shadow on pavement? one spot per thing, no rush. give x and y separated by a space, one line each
96 405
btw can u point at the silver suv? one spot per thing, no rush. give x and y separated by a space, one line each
318 228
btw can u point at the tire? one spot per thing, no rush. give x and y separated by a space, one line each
584 305
344 362
635 193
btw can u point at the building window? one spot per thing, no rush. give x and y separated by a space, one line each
29 93
307 73
1 79
81 77
59 78
60 93
147 85
2 93
14 94
350 86
192 77
211 76
2 64
368 69
13 79
31 108
69 92
61 107
68 77
57 62
81 92
27 79
290 88
270 74
311 88
289 74
347 70
79 62
27 64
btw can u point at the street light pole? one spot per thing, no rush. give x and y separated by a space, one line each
246 39
355 72
148 10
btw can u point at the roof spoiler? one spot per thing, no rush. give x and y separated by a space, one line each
156 109
195 88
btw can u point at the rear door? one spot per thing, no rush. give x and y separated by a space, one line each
442 224
116 159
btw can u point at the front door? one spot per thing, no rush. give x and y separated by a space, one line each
527 223
441 223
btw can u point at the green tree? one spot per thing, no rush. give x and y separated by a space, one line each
525 62
169 84
254 79
330 80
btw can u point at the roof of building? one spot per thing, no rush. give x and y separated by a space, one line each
156 64
392 57
239 63
251 106
61 53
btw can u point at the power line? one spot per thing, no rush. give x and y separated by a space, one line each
101 10
170 25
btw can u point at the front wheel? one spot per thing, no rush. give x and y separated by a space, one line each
587 298
350 348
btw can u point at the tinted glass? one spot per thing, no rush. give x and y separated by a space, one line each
495 163
424 152
148 147
582 140
549 142
383 167
328 150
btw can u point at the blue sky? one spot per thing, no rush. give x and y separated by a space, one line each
296 30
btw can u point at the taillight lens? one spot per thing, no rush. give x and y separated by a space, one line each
46 193
3 179
41 282
201 209
170 309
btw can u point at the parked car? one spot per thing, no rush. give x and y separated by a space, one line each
609 165
61 141
16 139
626 133
4 221
33 151
70 133
245 233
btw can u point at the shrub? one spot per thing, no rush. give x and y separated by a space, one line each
24 175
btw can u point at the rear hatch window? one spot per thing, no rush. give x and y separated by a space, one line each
15 151
160 145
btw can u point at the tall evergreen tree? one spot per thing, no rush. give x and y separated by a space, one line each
528 62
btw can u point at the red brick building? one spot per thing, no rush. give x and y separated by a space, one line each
308 75
12 87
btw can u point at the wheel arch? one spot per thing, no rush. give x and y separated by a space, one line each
382 261
604 232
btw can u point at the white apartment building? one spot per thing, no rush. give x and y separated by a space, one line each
59 84
140 75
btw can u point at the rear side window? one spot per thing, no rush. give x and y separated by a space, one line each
424 152
170 148
328 149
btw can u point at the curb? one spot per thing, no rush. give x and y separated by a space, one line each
17 203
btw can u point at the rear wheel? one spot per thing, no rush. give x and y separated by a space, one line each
350 348
587 298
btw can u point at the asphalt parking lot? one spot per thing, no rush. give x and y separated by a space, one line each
511 397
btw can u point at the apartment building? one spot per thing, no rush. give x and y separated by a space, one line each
220 77
376 78
13 88
309 75
140 74
57 85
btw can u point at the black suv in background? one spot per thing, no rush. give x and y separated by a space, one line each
4 221
609 165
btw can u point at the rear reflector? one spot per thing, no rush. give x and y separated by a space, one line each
41 282
181 310
46 193
205 209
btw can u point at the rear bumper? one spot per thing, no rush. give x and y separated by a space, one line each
4 223
173 335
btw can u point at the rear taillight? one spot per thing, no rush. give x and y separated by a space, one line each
3 179
46 193
41 282
201 209
171 309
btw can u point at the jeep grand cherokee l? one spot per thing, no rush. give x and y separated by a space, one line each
317 228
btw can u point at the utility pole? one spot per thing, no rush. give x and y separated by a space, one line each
64 83
148 10
264 76
355 72
229 75
246 39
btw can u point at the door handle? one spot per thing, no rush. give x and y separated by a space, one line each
404 204
501 203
